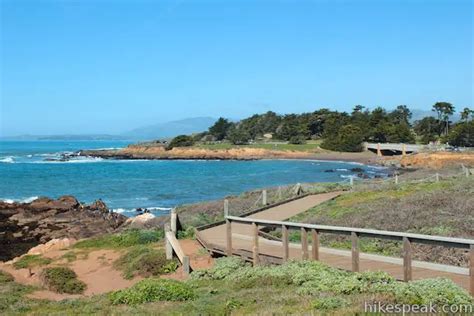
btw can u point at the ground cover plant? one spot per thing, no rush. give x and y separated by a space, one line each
145 261
62 280
30 261
232 286
124 239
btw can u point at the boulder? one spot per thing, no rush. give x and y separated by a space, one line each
25 225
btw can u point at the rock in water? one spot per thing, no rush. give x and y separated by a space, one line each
25 225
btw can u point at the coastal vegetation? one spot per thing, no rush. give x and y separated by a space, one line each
340 131
232 286
145 261
62 280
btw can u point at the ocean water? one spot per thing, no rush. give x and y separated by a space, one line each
26 173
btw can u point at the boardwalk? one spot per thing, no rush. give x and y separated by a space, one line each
242 242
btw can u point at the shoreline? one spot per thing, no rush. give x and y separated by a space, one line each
239 154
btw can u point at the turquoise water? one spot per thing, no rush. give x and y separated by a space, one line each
159 185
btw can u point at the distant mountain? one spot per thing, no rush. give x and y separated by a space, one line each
419 114
65 137
171 129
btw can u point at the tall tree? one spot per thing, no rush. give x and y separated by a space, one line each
220 128
444 110
465 113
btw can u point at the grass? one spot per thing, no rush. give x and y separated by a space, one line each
5 277
233 287
310 146
62 280
125 239
144 261
435 208
31 261
70 256
151 290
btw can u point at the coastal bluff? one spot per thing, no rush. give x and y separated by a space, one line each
139 151
25 225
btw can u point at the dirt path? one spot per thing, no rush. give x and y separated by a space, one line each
94 268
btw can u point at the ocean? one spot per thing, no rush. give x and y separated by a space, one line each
27 172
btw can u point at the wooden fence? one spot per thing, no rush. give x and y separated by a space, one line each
355 233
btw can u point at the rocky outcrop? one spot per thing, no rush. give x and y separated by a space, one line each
25 225
159 152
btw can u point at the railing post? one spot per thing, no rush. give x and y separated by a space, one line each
355 252
437 177
404 150
255 244
407 271
284 239
304 244
396 179
174 221
471 269
229 236
315 246
186 266
264 197
168 247
379 152
226 207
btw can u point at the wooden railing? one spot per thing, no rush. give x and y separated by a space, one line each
355 234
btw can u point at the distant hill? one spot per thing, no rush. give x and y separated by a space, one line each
419 114
65 137
171 129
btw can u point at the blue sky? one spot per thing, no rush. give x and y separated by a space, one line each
107 66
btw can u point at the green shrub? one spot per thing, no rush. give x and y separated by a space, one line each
314 278
328 303
150 290
436 291
145 261
62 280
30 261
5 277
127 238
181 141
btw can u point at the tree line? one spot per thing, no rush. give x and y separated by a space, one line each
342 131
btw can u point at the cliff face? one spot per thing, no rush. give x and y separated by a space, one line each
25 225
159 152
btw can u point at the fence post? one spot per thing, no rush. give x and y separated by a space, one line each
174 221
304 244
169 248
226 207
379 152
471 269
404 150
407 271
186 266
315 246
437 177
284 239
351 181
355 252
467 172
396 179
229 236
264 197
255 244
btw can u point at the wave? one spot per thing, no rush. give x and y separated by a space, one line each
74 160
25 200
9 159
134 210
342 169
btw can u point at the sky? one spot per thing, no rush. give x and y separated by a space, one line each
108 66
